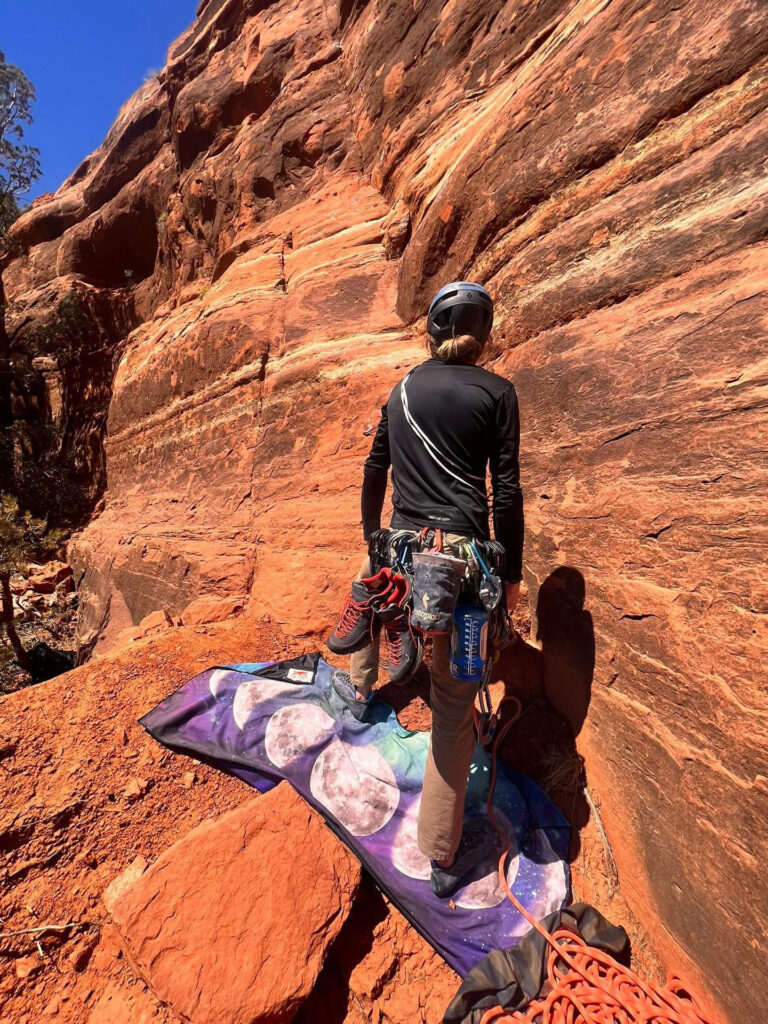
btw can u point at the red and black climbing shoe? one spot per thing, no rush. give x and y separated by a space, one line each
357 627
404 648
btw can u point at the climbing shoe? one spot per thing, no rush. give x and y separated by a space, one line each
478 842
342 686
404 648
357 626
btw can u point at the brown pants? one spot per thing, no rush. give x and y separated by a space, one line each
451 743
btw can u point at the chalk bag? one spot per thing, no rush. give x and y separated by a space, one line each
436 583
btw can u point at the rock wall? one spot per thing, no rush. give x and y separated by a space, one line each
270 216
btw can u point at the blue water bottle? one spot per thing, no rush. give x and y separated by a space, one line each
469 643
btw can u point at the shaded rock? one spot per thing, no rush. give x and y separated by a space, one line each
233 922
373 969
81 955
45 662
18 584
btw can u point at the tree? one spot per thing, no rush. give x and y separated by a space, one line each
22 536
19 168
22 539
19 162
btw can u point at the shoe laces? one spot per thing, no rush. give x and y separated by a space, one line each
394 634
351 615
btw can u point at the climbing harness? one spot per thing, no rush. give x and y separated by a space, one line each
482 587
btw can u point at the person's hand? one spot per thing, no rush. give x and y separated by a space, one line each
513 596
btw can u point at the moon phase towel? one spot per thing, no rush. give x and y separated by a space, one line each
268 722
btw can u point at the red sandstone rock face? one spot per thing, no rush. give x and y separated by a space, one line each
302 170
215 924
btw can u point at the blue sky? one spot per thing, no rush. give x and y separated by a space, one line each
84 58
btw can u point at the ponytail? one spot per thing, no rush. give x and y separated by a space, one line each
464 348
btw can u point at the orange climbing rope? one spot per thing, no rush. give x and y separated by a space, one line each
585 985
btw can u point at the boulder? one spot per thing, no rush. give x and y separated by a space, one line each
380 969
123 882
118 1004
45 578
135 789
231 925
152 624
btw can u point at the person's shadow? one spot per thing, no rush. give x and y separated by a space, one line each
567 640
554 682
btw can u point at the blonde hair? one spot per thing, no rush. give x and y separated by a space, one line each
464 348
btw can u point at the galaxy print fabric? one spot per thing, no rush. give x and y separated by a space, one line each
265 723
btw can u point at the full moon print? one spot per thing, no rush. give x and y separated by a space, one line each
356 785
406 855
366 778
294 730
553 887
219 679
487 891
481 894
254 692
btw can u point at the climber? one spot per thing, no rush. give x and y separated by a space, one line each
454 420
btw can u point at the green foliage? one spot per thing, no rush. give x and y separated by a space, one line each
7 664
67 323
9 211
19 163
59 335
23 537
46 484
40 468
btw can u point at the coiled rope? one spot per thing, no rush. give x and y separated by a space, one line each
585 985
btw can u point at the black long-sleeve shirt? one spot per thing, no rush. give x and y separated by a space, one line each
459 420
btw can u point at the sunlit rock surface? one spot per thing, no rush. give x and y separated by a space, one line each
255 242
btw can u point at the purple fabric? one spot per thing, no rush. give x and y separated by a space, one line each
264 723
